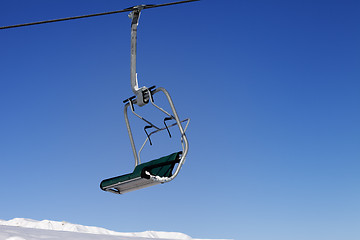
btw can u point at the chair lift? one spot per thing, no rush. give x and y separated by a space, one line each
159 170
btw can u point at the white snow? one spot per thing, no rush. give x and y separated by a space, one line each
28 229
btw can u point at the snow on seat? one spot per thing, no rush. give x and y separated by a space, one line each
140 177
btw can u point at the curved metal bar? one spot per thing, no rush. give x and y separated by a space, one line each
186 143
182 141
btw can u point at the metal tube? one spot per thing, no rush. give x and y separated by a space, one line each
134 15
130 134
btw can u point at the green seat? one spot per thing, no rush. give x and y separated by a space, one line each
138 179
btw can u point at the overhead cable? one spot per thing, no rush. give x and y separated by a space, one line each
140 7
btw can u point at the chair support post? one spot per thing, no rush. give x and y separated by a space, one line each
135 16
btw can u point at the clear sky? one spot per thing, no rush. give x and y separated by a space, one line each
272 89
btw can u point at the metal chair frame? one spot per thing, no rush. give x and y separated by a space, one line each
143 96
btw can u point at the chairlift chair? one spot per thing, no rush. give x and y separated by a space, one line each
163 169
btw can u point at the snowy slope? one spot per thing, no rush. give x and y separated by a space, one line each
28 229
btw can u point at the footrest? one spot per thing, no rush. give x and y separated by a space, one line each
139 178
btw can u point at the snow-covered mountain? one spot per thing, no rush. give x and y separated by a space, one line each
28 229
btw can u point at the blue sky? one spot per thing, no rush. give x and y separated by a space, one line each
271 87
